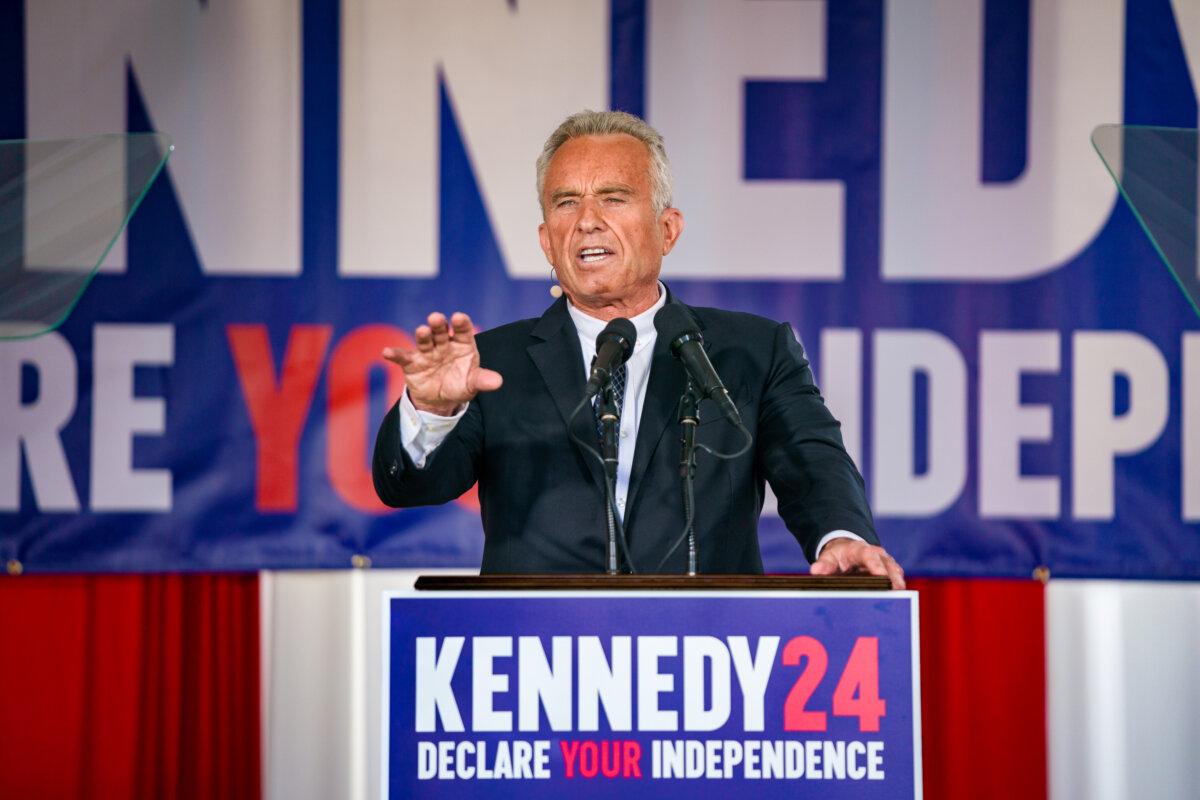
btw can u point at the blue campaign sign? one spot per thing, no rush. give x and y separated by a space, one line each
587 694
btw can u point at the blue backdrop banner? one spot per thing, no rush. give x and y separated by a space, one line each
909 183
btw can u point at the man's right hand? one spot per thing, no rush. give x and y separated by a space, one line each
443 373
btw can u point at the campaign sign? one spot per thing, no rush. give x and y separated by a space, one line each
644 694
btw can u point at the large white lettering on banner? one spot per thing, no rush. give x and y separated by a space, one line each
222 79
511 78
939 221
118 416
698 66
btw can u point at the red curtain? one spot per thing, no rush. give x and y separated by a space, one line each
983 688
131 686
148 686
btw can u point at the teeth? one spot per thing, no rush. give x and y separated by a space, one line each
590 254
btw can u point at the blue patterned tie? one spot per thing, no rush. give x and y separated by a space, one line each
618 384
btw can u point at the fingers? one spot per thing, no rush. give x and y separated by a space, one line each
458 328
438 331
878 562
433 334
827 563
439 328
398 356
895 573
872 562
462 329
823 567
424 336
486 380
849 557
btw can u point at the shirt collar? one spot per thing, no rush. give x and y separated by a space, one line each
589 327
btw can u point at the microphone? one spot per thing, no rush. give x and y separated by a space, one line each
677 327
613 348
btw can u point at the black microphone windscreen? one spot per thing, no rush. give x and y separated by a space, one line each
619 328
672 321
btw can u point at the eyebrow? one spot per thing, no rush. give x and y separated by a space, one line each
615 188
608 188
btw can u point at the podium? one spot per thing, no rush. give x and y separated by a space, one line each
651 686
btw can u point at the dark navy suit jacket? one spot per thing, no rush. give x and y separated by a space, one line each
542 497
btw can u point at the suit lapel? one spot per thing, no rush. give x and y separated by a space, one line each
559 359
667 382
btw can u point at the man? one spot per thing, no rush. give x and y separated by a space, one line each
495 408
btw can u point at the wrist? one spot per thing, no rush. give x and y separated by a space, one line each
441 409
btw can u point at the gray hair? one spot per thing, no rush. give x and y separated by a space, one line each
603 123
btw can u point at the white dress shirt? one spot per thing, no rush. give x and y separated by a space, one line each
637 377
421 431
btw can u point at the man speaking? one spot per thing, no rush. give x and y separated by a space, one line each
503 407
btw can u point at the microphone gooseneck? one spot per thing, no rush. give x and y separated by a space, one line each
614 345
680 330
676 327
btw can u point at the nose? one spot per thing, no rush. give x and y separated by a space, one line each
590 217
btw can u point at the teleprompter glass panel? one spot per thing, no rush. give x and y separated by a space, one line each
62 206
1155 169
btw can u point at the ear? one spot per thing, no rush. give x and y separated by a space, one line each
671 224
544 239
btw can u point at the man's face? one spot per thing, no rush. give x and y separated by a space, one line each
600 231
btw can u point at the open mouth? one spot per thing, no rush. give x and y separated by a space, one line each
590 255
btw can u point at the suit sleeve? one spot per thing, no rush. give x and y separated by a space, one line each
800 452
449 471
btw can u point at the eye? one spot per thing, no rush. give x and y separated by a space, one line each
566 202
614 200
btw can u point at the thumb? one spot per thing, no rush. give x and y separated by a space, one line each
486 380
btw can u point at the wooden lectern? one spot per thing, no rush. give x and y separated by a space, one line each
620 583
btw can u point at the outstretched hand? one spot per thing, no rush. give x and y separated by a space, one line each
443 373
850 556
